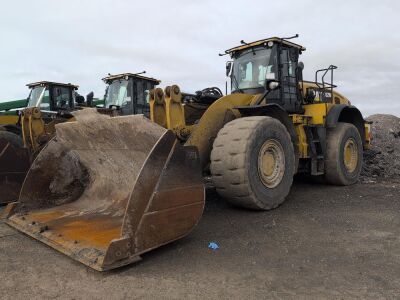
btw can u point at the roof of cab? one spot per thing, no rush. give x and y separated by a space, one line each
42 83
118 76
264 41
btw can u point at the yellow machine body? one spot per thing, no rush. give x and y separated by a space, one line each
8 119
225 109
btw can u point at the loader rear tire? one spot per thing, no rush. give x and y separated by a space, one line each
253 162
344 155
12 138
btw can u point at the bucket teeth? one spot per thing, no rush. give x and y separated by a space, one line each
106 190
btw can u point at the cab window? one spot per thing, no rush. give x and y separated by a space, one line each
45 103
252 67
140 93
61 97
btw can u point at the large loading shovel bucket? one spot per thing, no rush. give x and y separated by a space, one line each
14 164
106 190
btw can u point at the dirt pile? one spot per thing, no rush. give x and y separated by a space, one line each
383 159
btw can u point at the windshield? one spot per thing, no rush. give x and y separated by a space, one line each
253 67
36 96
117 93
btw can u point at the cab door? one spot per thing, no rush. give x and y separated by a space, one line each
289 90
61 98
141 94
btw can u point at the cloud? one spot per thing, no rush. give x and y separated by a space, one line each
178 42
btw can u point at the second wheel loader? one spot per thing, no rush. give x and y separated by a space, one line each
24 126
133 185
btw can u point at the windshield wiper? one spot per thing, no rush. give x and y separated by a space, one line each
236 84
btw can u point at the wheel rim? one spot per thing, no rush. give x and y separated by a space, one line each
271 163
350 157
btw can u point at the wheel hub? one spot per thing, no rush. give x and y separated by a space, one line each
271 163
350 157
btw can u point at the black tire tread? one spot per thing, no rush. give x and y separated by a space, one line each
333 173
228 162
12 138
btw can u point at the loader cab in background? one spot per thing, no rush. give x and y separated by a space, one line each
129 93
52 96
24 130
256 64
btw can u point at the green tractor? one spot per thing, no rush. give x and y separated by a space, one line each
11 106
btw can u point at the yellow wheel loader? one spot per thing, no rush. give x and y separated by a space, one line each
106 190
23 131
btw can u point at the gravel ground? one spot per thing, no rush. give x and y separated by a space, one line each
323 242
383 159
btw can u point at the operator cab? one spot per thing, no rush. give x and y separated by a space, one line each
52 96
256 65
129 93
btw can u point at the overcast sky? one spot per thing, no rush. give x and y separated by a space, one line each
179 41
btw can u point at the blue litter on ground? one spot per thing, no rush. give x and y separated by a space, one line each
213 246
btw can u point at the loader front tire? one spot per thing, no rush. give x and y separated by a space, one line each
12 138
344 155
253 162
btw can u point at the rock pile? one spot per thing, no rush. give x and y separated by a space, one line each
383 159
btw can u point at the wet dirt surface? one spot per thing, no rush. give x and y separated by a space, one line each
323 242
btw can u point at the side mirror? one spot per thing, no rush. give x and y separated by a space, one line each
89 99
299 71
228 68
272 84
